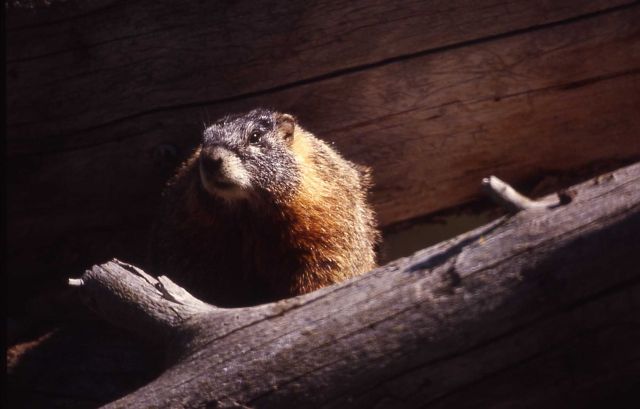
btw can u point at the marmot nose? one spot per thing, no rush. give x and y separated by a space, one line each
211 165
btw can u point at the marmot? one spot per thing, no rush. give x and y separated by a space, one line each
263 210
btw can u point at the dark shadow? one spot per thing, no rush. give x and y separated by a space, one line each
79 365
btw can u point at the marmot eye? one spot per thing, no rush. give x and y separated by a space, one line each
255 137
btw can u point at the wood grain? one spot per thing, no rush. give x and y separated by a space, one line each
78 65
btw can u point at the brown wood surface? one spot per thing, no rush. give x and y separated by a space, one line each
535 310
105 98
84 64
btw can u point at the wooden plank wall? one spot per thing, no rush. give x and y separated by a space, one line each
104 98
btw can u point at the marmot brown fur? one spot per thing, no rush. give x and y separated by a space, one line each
263 210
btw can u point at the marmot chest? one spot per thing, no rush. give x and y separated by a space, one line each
250 257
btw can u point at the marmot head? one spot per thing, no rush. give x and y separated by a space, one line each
248 156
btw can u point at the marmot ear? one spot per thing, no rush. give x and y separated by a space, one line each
285 125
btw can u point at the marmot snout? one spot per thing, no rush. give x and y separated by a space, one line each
223 174
263 210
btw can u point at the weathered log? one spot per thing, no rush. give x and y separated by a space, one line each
540 309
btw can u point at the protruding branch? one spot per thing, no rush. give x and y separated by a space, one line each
130 298
76 282
513 201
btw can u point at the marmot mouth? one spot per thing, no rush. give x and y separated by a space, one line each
223 185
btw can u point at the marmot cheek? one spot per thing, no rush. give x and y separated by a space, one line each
233 171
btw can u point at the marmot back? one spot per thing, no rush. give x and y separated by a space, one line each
263 210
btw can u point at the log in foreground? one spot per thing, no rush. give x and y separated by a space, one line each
539 309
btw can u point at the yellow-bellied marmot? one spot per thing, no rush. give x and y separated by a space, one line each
263 210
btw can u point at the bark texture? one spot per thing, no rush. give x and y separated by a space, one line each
539 309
